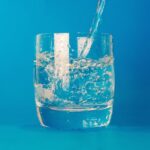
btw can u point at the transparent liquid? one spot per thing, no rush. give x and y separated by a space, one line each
88 88
89 84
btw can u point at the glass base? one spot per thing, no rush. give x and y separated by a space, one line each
84 119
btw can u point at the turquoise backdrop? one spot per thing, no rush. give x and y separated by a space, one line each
129 23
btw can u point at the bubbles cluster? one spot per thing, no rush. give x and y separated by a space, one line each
91 82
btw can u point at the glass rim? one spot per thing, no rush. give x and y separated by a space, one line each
77 33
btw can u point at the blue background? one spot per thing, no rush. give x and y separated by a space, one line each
21 20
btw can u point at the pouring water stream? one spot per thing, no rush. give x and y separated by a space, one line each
94 28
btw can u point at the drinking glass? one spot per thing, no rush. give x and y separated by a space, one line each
74 80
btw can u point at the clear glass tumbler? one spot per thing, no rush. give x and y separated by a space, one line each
74 85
